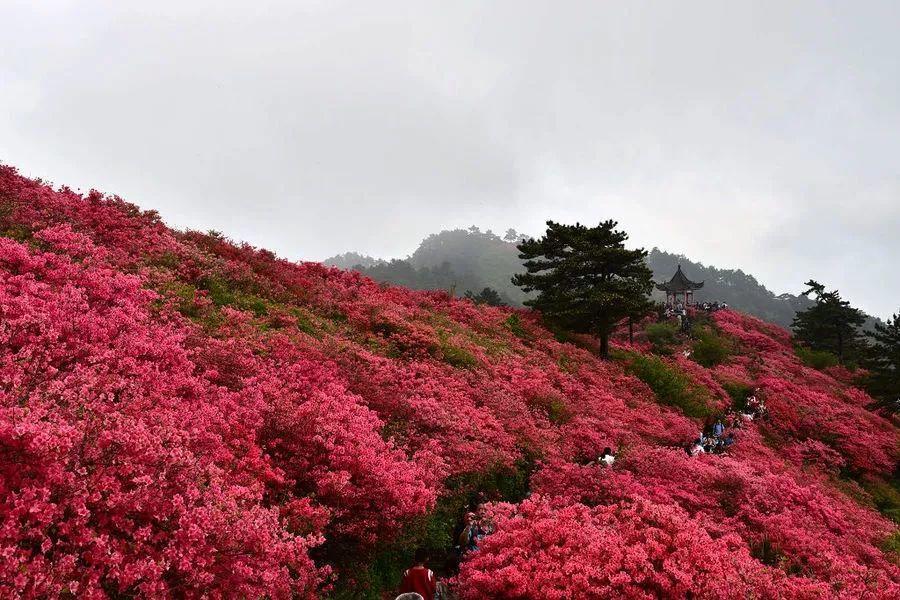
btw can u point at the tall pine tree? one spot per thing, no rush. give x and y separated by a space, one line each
587 280
831 324
883 363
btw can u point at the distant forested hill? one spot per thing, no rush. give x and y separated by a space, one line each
471 259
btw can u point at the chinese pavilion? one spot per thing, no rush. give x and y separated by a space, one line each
679 284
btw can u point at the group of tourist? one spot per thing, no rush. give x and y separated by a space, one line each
675 310
420 583
680 310
754 407
474 530
713 438
712 306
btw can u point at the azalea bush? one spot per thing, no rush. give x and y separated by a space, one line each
185 416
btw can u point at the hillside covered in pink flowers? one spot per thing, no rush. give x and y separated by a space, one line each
183 416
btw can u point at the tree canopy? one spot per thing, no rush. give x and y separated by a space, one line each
883 363
831 324
587 281
487 296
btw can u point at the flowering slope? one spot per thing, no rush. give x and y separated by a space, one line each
183 416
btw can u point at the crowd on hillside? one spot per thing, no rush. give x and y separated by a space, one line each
679 311
712 306
718 433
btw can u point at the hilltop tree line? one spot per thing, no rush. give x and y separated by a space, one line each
476 259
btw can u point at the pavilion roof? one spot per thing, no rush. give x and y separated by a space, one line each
679 283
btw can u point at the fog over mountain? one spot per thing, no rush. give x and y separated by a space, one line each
759 134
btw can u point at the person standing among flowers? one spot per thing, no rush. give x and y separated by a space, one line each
419 579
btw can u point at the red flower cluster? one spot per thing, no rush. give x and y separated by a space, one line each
181 416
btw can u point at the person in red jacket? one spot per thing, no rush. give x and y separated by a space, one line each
419 579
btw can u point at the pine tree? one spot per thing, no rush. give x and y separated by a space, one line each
883 363
587 280
488 296
831 324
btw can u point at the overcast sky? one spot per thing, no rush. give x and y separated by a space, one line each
758 135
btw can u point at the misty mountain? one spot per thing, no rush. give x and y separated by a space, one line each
352 260
470 259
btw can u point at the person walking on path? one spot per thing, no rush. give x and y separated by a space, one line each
419 579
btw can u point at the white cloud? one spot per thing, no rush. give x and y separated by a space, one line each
757 135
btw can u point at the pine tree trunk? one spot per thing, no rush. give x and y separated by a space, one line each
630 330
604 345
840 348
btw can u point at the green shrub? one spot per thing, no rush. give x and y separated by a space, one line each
662 335
514 324
19 233
553 407
304 322
710 349
166 259
817 359
739 392
456 356
219 292
891 546
566 363
886 496
671 386
251 303
185 294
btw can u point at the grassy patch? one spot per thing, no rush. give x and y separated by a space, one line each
739 392
662 335
891 547
566 363
167 259
457 356
9 228
671 386
553 407
304 322
16 232
222 294
710 348
493 346
886 496
514 324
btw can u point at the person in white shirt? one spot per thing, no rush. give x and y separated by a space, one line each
697 448
607 458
